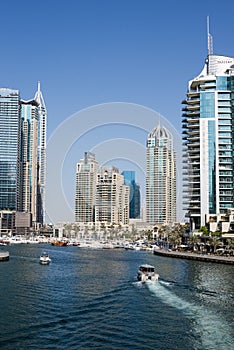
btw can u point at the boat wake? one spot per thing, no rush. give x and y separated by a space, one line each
166 283
213 332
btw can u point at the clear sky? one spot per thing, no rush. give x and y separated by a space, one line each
91 52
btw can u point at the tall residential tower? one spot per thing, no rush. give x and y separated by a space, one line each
160 178
86 173
22 156
112 197
10 124
208 140
42 137
29 159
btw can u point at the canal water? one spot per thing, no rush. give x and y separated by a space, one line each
90 299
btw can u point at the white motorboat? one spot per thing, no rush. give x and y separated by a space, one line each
45 259
147 272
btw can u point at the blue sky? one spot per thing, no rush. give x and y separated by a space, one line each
91 52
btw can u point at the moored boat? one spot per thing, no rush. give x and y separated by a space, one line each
4 256
45 259
147 272
59 243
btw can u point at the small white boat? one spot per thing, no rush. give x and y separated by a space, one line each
45 259
147 272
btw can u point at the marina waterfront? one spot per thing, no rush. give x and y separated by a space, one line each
91 299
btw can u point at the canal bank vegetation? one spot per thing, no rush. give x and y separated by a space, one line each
179 238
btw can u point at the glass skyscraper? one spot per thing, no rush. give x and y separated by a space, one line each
208 135
9 148
135 199
22 154
160 178
42 140
29 158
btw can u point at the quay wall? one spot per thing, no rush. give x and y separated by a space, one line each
193 256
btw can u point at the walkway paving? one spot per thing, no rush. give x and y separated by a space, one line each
195 256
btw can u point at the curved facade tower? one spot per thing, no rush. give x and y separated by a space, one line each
160 178
42 134
208 139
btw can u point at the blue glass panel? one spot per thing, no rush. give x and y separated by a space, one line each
221 83
207 105
211 145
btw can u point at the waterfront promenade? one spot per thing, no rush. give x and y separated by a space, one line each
194 256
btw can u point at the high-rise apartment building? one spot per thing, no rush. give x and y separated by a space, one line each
42 137
101 195
86 173
112 197
29 159
9 148
134 198
160 178
22 154
208 139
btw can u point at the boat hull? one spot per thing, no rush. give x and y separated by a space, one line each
147 273
59 244
143 277
44 262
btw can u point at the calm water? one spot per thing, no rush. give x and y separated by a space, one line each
90 299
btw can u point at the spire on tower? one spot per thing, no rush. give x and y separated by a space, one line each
209 38
38 96
38 86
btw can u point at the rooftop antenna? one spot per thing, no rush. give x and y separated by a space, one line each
209 38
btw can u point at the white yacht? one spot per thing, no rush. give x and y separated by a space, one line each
45 259
147 272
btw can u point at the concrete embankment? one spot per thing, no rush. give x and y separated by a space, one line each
199 257
4 256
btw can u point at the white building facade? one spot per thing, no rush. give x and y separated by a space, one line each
160 178
42 141
86 173
208 139
112 197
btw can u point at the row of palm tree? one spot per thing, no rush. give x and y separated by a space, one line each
179 238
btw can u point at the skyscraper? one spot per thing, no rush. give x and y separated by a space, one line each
29 159
160 177
134 199
22 154
42 139
208 139
112 197
9 148
86 172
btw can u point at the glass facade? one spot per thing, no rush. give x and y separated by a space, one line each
42 141
29 159
20 167
208 141
135 200
9 148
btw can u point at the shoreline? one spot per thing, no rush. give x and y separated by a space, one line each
194 256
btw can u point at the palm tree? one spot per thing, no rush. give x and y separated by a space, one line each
214 242
194 240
